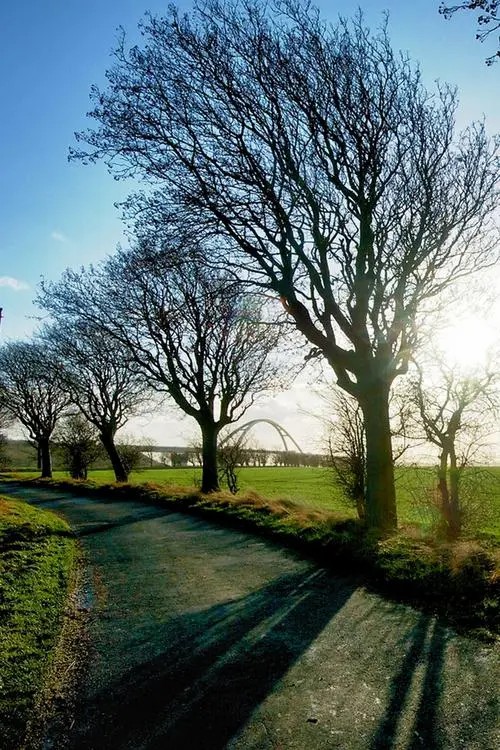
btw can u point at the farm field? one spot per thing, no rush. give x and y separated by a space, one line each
314 488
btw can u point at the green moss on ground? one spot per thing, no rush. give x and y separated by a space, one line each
36 561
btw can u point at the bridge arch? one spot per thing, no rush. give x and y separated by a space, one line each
245 428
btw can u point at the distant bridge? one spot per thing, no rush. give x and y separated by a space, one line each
245 428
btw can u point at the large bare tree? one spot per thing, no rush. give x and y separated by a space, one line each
324 160
33 393
194 333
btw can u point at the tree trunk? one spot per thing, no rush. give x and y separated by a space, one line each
107 439
455 522
443 487
380 489
45 458
209 479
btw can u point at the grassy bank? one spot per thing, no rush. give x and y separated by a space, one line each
36 562
459 581
314 488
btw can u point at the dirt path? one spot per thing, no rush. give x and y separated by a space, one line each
206 638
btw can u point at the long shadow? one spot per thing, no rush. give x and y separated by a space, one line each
425 732
218 665
146 514
400 687
51 499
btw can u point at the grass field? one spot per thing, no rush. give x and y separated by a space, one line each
314 488
35 566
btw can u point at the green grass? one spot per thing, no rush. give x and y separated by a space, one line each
37 557
314 488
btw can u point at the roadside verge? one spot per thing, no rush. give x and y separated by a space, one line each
459 581
37 566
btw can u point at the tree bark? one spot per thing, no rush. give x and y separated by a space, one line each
455 522
381 510
107 439
443 487
45 458
210 478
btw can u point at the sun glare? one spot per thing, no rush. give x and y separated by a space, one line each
469 343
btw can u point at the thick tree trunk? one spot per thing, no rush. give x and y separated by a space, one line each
45 458
107 439
210 478
380 489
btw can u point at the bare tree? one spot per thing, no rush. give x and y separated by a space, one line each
455 414
97 370
231 456
33 390
193 333
6 420
488 19
323 159
347 448
79 441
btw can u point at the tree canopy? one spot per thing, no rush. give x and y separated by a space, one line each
337 179
33 393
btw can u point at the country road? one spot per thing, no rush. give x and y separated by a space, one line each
206 638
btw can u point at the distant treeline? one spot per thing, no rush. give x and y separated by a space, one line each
22 455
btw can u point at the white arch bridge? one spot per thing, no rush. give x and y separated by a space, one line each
244 429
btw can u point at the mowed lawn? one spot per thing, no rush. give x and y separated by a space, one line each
315 487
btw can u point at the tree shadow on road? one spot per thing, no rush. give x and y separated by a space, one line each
219 665
426 650
418 691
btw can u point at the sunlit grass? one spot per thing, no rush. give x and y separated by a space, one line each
35 564
315 488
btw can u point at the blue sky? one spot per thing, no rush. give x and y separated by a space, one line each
55 214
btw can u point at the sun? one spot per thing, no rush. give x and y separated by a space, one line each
469 342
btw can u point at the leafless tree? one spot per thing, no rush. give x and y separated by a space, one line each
230 457
193 333
33 390
488 19
347 448
97 371
455 413
322 158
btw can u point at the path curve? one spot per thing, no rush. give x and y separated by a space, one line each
207 638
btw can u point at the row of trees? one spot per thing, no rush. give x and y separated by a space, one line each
282 159
319 169
148 321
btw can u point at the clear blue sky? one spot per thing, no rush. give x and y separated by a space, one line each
54 214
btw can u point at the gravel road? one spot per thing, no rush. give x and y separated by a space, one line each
206 638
